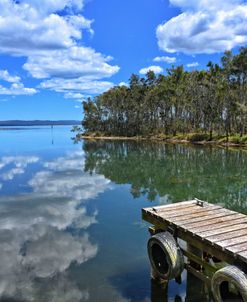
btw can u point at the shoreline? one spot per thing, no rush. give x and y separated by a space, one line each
165 140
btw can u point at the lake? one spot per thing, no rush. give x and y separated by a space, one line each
70 213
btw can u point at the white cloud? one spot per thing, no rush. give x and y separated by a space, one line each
205 4
71 63
17 89
5 76
166 59
193 64
28 27
48 6
78 85
74 95
77 97
155 69
49 34
123 84
204 26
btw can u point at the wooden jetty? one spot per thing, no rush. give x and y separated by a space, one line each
214 237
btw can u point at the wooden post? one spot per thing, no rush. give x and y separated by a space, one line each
159 291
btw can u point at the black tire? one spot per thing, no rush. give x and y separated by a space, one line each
233 276
165 256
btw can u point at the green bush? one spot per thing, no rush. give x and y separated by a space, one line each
238 139
197 137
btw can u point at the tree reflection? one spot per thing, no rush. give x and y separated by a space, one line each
172 172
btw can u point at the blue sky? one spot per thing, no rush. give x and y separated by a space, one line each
55 53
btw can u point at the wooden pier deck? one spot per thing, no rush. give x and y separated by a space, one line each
210 228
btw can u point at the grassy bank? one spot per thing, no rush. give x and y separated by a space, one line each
193 138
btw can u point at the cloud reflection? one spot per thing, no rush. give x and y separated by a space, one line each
37 248
20 163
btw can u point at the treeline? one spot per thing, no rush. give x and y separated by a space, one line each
212 101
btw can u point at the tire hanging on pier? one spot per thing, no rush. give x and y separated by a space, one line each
229 283
165 256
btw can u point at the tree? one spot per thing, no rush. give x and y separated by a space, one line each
207 101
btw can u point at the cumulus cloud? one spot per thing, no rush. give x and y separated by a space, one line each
78 85
28 27
193 64
5 76
204 26
155 69
123 84
48 6
75 95
71 63
166 59
49 34
17 89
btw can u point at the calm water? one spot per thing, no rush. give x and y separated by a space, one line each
70 214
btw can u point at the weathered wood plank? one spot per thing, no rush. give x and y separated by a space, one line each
238 248
218 228
189 218
192 210
172 206
228 242
189 222
227 235
195 225
198 274
243 254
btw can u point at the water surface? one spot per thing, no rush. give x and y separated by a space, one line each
70 214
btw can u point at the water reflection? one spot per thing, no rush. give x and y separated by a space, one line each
76 233
44 232
172 172
15 165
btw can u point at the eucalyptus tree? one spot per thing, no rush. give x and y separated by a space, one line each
210 101
239 71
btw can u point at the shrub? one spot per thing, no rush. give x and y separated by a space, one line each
197 137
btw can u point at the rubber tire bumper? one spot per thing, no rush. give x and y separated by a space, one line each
233 275
165 256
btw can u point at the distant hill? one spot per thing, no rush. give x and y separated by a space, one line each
38 123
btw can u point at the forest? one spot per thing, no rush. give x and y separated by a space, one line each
211 103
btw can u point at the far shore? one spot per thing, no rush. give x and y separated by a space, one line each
166 140
18 128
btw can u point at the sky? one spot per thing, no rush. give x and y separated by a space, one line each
56 53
